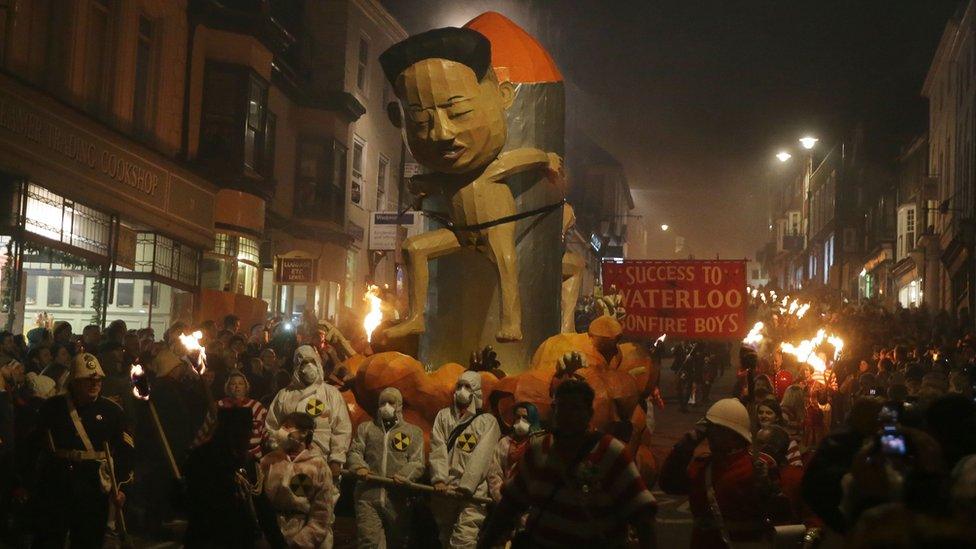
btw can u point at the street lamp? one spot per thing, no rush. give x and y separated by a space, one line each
665 227
783 156
808 142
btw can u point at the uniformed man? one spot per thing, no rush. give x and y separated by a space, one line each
390 447
308 393
724 486
462 443
74 481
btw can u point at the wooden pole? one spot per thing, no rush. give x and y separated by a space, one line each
417 487
165 441
119 514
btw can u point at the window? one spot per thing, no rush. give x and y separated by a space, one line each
31 291
142 104
150 294
99 53
232 265
257 100
358 155
320 181
362 65
76 292
124 291
381 170
794 228
55 291
234 120
906 231
350 277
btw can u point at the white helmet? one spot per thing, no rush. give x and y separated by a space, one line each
731 414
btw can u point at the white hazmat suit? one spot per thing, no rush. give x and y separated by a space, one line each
462 464
387 447
308 393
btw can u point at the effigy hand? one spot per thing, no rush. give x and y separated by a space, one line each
570 363
484 361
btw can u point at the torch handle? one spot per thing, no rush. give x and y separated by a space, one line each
165 441
417 487
119 514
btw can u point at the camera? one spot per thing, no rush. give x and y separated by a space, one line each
892 442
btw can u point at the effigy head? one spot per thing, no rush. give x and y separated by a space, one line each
452 107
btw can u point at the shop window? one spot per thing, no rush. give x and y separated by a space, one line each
358 177
232 265
55 291
76 292
124 293
320 182
906 231
99 53
143 112
150 294
165 257
55 217
381 175
30 294
234 125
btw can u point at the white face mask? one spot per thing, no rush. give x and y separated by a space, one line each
387 411
521 427
285 442
462 396
309 372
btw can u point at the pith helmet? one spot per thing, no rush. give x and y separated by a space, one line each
731 414
86 366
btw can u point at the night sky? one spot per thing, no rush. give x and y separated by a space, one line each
695 97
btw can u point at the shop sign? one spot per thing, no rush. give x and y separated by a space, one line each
295 270
683 299
33 136
385 226
355 231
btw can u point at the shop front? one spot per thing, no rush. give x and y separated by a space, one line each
93 226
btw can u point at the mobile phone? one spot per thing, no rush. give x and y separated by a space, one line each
873 392
892 442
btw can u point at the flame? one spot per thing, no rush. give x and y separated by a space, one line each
802 310
805 352
136 375
755 336
192 343
374 317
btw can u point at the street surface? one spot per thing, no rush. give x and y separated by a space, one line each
673 516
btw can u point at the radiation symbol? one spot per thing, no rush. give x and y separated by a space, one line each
314 407
301 486
467 441
401 441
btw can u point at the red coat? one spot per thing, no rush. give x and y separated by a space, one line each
737 495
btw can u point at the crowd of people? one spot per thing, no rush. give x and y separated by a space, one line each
877 445
112 433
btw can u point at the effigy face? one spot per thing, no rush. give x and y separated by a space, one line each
452 122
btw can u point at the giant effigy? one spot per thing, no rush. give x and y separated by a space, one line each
481 108
485 119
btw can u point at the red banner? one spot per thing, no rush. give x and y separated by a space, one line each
684 299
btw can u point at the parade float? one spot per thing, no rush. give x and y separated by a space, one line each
495 254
